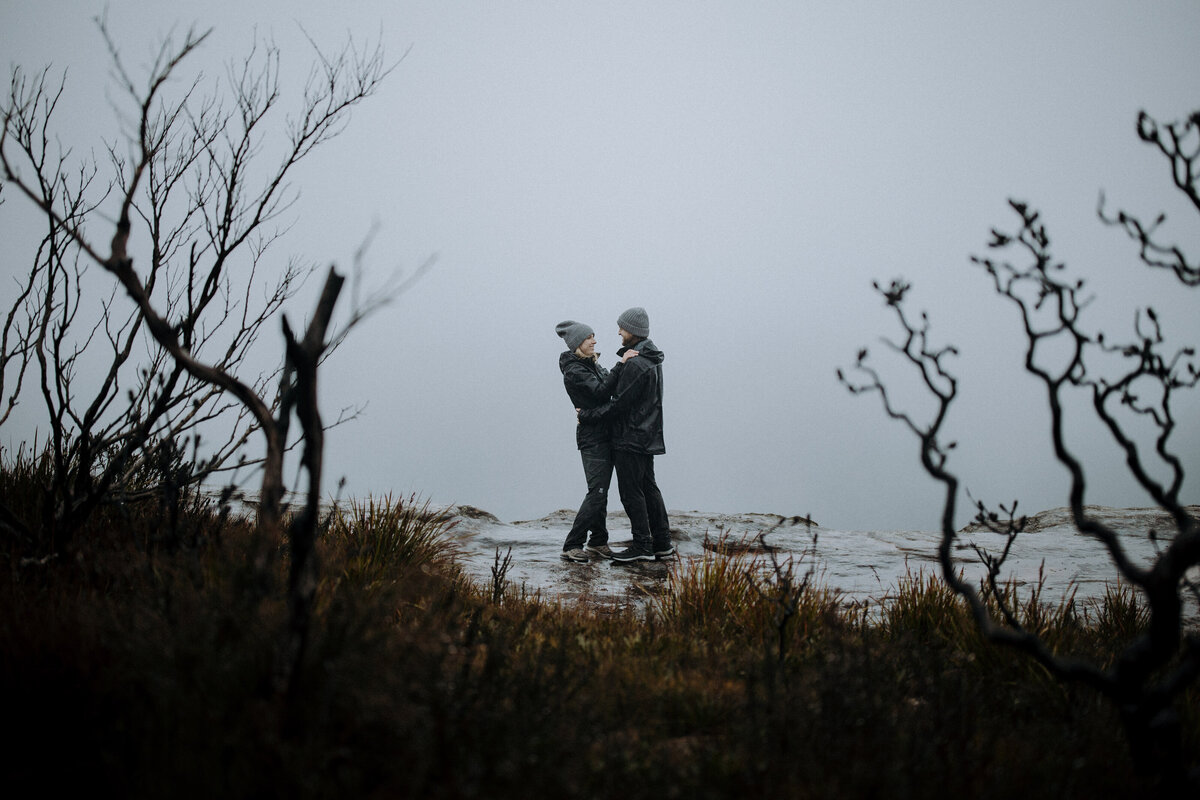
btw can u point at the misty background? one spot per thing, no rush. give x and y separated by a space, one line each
743 171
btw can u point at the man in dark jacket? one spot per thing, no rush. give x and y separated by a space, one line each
588 385
635 413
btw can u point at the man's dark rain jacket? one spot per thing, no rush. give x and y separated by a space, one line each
635 410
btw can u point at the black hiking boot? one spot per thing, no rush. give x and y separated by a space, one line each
634 553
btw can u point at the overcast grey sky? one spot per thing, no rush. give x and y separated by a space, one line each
743 170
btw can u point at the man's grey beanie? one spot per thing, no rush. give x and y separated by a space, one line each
573 333
635 320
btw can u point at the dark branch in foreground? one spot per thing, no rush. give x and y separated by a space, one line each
200 227
1148 675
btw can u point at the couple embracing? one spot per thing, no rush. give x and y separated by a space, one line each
621 426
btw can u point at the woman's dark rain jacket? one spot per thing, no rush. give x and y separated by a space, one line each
588 385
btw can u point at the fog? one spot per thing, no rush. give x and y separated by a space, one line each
743 171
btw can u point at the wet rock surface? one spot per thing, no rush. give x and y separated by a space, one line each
863 565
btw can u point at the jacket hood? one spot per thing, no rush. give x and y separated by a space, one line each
566 358
646 349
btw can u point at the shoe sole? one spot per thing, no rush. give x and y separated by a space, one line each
571 560
630 559
597 552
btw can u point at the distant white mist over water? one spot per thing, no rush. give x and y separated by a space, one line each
743 171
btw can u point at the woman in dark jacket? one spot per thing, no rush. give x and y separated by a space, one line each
589 385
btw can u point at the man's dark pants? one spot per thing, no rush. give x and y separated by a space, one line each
642 500
593 512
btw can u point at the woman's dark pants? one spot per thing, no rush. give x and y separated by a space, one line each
593 512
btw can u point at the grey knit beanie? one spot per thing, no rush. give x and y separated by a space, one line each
573 333
635 320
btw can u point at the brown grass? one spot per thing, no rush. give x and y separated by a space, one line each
146 672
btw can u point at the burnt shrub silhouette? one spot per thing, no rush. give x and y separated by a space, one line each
1145 676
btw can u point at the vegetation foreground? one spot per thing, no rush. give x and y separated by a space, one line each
143 665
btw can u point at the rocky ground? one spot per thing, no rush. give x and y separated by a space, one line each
863 565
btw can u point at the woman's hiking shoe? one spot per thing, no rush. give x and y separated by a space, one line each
575 554
602 550
632 554
665 552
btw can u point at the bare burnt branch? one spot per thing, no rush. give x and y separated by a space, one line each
1147 675
304 358
1179 142
189 204
1010 527
934 457
1050 306
186 183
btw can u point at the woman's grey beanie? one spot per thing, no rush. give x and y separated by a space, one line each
635 320
573 333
